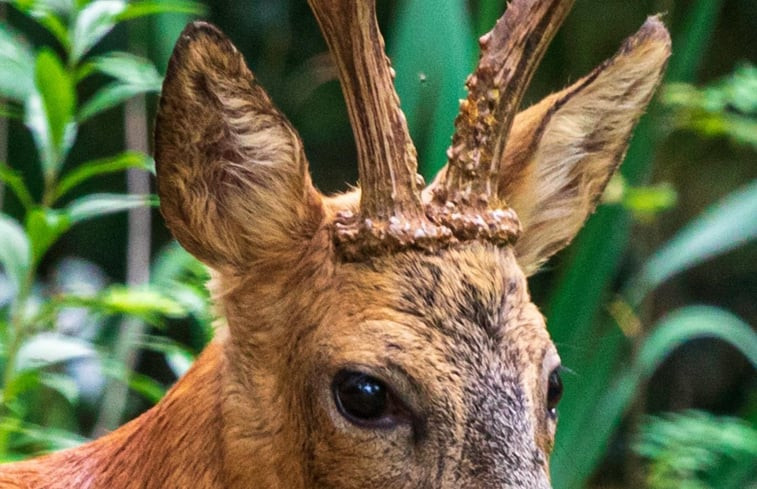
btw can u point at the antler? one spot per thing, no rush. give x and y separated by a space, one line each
392 215
466 196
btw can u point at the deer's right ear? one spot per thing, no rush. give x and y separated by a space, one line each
232 175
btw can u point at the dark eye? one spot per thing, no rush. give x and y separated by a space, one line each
554 392
362 399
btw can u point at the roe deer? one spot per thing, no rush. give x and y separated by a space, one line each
383 338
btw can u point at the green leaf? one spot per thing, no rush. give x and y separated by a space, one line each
15 252
146 302
108 97
603 416
144 8
62 384
644 201
182 277
134 75
53 438
588 343
19 383
34 7
14 182
50 110
96 205
727 107
47 349
92 23
57 28
17 61
432 52
96 168
723 227
44 226
129 69
174 264
648 200
49 14
698 450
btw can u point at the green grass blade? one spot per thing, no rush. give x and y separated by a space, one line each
722 228
604 415
692 40
431 51
583 287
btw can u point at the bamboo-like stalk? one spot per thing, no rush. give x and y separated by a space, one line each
137 257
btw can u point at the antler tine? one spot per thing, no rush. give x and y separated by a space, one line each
392 214
510 53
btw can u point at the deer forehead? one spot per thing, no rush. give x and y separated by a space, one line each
464 314
460 309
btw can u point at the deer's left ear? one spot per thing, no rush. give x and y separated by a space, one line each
562 151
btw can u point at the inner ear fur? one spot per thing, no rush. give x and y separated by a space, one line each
232 174
562 151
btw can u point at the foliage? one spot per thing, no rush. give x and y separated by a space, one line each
598 351
726 108
696 450
41 87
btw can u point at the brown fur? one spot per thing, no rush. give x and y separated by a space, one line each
454 333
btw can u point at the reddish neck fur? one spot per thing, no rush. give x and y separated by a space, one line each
179 443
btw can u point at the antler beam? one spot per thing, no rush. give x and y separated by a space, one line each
510 54
392 214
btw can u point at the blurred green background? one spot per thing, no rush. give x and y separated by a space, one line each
650 307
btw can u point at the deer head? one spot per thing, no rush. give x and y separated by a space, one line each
385 337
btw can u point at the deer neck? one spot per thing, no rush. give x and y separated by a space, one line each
217 432
179 442
204 434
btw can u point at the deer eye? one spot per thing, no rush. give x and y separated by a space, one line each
554 392
364 400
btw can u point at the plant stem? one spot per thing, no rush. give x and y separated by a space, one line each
14 338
